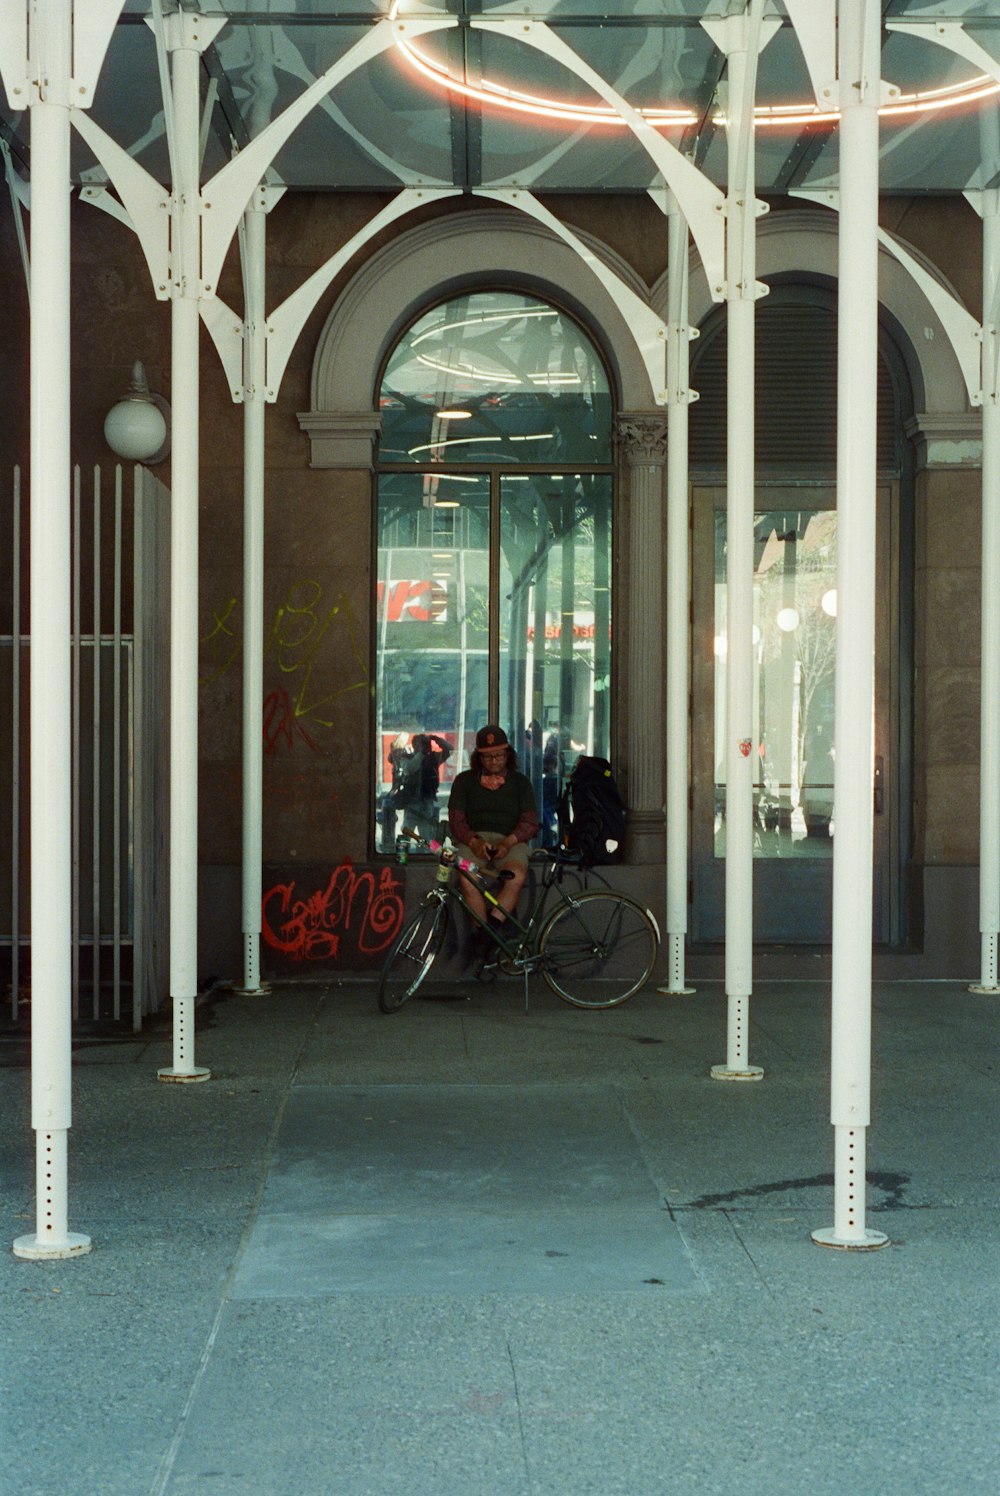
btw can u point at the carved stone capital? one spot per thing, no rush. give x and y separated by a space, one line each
642 437
947 441
341 441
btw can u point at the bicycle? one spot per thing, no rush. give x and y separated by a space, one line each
599 937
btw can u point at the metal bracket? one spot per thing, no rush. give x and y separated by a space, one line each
91 38
697 196
14 70
288 58
262 200
987 204
953 36
226 331
648 329
815 26
961 328
100 197
146 203
732 33
229 191
831 94
284 325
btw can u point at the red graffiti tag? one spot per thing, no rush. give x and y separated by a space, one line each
350 906
281 724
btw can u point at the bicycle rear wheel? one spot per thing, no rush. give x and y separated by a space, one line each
410 958
598 950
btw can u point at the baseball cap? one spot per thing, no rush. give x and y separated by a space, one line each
491 737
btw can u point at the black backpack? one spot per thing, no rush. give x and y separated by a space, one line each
592 814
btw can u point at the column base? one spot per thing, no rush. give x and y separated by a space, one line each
870 1242
645 837
35 1249
669 991
723 1072
987 991
181 1076
263 990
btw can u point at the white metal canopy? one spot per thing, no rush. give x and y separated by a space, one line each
464 107
193 115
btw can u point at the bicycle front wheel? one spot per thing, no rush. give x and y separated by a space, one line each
598 949
410 958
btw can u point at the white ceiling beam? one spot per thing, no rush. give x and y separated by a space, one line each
701 201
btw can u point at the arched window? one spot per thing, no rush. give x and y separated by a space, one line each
794 621
493 598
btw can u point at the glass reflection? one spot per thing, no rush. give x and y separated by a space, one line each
432 627
794 655
495 377
555 626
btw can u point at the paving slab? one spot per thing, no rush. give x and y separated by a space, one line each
459 1189
759 1365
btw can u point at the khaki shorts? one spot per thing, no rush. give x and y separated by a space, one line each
517 856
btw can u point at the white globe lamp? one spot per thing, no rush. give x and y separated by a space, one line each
136 428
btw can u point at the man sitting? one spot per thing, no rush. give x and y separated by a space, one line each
492 817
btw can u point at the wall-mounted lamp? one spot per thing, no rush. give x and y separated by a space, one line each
138 427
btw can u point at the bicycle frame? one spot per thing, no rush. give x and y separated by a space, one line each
520 951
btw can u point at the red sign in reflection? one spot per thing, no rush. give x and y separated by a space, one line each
413 602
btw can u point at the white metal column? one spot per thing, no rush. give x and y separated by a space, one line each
857 366
679 397
50 733
185 49
740 38
254 247
989 750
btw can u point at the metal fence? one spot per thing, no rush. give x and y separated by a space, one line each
118 653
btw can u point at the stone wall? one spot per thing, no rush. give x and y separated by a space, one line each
319 537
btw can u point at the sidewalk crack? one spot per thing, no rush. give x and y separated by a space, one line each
520 1416
736 1232
166 1469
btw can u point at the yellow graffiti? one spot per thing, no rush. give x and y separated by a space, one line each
302 623
222 644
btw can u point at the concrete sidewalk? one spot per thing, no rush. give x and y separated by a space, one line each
463 1250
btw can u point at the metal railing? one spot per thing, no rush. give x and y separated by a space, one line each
118 649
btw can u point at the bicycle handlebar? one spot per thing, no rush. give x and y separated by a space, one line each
450 856
561 856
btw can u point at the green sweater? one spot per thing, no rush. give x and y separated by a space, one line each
509 810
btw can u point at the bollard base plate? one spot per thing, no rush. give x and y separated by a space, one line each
723 1072
264 990
988 991
37 1249
183 1076
669 991
870 1242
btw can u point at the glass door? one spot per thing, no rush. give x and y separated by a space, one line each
794 637
554 599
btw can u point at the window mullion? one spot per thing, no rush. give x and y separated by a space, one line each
493 686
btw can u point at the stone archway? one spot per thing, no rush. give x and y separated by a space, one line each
435 260
501 247
803 242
